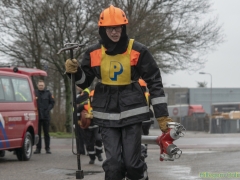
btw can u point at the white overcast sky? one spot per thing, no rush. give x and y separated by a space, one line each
224 63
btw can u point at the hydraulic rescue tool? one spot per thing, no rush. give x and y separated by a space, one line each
168 150
70 47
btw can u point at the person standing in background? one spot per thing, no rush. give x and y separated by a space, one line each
45 102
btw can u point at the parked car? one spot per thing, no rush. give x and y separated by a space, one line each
18 111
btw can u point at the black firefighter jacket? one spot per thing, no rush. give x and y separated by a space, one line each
45 103
118 106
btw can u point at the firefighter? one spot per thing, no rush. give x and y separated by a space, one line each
21 94
82 97
146 124
91 133
119 106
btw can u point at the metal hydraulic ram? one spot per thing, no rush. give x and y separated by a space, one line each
168 150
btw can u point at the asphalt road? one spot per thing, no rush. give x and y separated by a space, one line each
203 155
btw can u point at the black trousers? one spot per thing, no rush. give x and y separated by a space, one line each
93 142
145 127
81 140
123 152
45 125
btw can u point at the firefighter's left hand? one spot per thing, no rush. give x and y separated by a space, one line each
162 122
90 116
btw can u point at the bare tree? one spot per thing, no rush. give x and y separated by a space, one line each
34 31
202 84
178 33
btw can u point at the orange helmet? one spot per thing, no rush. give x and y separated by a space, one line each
112 16
142 83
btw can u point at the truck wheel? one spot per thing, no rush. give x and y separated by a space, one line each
2 153
25 152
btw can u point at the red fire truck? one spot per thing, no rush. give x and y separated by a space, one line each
18 111
193 117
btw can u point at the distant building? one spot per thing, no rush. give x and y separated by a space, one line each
202 96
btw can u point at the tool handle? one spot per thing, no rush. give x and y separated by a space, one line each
79 172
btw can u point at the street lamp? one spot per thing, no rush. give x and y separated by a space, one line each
210 121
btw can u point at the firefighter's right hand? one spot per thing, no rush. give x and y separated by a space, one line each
71 65
79 122
162 122
87 115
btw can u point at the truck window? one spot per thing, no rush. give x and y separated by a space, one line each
1 92
21 89
7 89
